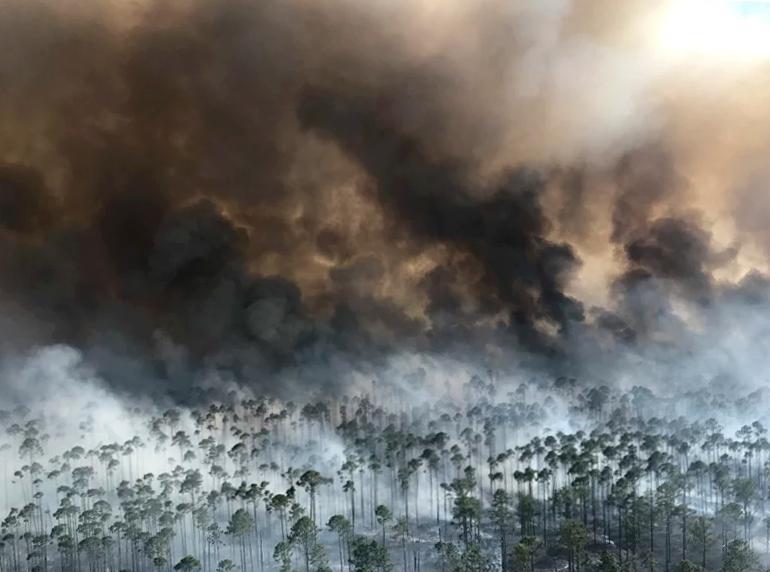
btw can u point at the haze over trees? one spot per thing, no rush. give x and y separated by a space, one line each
545 475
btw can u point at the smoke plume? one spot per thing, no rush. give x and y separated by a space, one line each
301 195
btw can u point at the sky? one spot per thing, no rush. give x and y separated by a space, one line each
303 196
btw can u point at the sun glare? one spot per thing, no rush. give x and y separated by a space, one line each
731 29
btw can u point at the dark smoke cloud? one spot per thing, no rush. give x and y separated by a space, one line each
676 250
520 270
294 194
23 200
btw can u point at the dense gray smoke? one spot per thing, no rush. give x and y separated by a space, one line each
297 195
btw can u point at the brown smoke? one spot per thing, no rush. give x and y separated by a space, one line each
300 188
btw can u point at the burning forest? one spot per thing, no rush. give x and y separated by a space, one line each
384 286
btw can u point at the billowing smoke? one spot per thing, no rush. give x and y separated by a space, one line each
298 195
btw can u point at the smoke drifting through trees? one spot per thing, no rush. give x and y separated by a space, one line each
539 476
298 194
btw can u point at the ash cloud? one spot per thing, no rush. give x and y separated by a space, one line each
293 195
